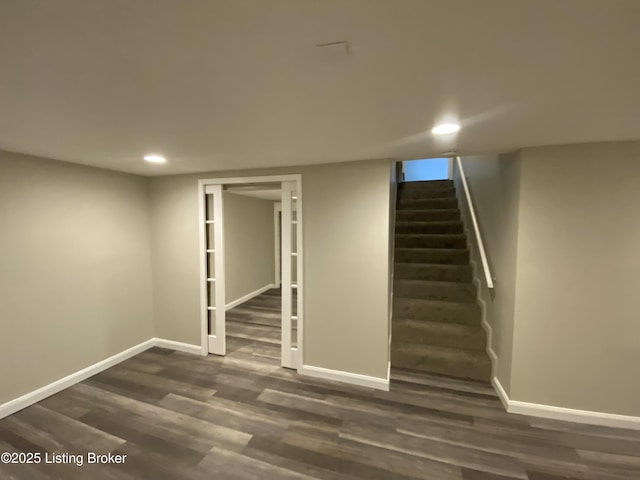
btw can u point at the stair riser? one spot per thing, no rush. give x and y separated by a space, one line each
430 241
418 194
429 229
427 185
416 255
433 203
481 372
442 273
473 340
467 313
455 292
427 215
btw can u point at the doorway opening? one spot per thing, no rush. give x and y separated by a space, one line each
427 169
245 225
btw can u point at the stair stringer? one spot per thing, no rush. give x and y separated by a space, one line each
476 280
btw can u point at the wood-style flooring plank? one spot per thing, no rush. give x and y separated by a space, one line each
185 417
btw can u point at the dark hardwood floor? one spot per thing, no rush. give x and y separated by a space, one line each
179 416
257 319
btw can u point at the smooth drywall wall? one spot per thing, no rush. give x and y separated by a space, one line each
176 258
577 332
346 269
75 269
249 245
494 185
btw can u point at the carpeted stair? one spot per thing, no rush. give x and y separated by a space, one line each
436 317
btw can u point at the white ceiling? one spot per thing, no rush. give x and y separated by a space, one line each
231 84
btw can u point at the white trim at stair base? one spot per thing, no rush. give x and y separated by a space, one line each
504 398
249 296
178 346
346 377
17 404
488 329
566 414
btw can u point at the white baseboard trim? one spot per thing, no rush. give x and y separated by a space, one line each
249 296
493 357
483 315
30 398
177 346
17 404
501 393
346 377
489 331
572 415
565 414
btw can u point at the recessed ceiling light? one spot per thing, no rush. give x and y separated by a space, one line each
155 158
445 128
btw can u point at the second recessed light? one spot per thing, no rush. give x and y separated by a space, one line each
445 128
155 158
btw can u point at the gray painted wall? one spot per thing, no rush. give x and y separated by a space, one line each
562 235
346 230
176 258
494 184
559 223
249 245
577 330
75 269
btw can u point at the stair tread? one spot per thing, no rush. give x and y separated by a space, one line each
429 227
408 195
433 310
441 326
428 378
412 282
426 188
433 271
478 357
431 249
439 235
430 222
462 292
428 183
427 203
442 303
427 216
450 210
456 241
434 265
448 198
435 283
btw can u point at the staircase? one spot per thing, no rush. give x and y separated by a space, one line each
436 318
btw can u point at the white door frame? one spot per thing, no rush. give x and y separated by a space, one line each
220 280
277 209
212 343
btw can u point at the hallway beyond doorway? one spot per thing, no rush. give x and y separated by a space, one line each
258 319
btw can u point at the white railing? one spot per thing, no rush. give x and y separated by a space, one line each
476 229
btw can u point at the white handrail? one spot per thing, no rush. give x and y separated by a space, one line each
476 229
